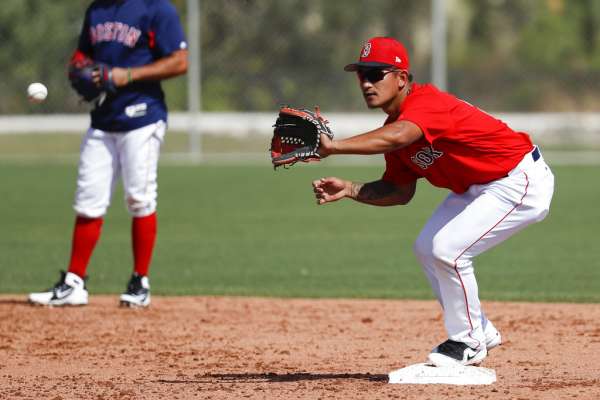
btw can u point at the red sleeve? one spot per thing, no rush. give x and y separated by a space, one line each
430 113
396 171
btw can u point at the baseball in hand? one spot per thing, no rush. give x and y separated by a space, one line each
37 92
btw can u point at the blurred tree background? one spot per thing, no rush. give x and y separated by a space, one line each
505 55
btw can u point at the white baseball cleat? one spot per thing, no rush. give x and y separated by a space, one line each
68 291
492 336
451 353
137 293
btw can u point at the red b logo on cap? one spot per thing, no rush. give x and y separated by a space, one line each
382 52
366 50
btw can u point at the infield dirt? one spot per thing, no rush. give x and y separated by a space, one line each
236 347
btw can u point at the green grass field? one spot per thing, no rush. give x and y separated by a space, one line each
251 231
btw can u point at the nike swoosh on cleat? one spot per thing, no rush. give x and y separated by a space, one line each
472 355
59 294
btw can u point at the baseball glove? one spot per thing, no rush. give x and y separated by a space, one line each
81 76
297 136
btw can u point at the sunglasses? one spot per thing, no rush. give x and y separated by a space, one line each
373 75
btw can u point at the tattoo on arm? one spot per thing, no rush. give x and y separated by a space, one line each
380 193
355 190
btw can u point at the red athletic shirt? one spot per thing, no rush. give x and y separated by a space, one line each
461 145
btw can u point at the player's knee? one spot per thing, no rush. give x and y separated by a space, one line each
442 251
431 253
140 207
427 247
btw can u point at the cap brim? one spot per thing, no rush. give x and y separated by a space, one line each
365 65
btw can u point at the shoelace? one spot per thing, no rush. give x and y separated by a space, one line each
60 285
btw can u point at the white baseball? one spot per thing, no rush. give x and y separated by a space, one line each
37 92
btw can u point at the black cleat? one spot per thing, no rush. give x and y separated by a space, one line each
451 353
137 293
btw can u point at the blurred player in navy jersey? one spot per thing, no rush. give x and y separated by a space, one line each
143 41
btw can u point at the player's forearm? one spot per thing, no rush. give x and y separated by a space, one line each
173 65
381 193
381 140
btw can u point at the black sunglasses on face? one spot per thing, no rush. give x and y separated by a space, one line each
373 75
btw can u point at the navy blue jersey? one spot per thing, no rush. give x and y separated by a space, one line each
131 33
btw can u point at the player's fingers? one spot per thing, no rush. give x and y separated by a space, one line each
321 197
318 193
321 183
326 190
323 200
328 198
325 179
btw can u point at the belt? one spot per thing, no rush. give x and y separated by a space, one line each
535 154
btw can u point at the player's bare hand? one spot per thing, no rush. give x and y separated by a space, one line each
326 146
119 76
330 189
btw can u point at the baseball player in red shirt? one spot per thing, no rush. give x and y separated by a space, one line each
498 179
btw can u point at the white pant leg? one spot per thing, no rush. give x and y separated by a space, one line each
464 226
97 173
139 152
424 253
439 269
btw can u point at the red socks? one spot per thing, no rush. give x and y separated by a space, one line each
85 235
143 236
87 232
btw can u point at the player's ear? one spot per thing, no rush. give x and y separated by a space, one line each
402 79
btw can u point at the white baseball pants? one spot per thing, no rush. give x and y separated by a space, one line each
106 156
464 226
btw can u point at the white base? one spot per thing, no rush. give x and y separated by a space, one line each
455 375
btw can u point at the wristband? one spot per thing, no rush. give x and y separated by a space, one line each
129 77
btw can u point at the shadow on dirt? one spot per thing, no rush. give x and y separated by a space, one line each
273 377
15 302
